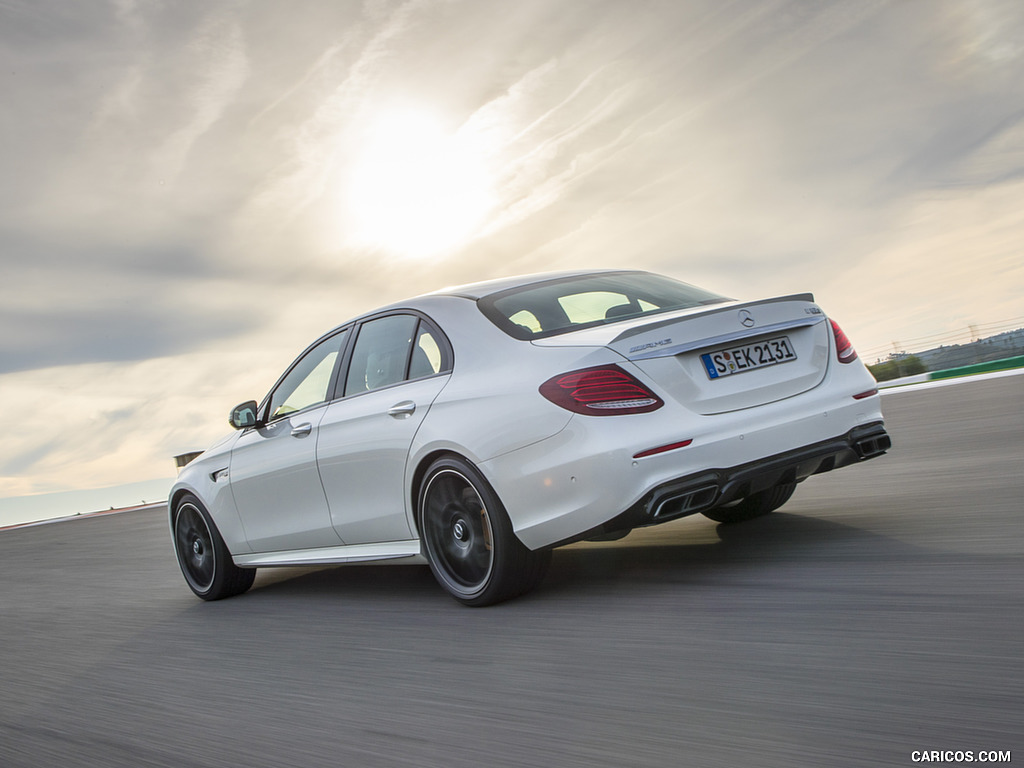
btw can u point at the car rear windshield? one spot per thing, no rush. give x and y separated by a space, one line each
558 306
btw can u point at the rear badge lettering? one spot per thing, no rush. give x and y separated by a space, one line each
650 345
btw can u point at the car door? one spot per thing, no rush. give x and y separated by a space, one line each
398 365
274 476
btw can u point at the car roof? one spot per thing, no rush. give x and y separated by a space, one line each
476 291
486 288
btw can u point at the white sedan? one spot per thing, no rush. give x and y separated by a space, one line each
481 426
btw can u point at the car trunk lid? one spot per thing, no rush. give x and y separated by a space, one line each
724 357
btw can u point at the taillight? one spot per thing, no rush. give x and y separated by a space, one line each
606 390
844 349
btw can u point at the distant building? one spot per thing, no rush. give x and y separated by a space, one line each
184 458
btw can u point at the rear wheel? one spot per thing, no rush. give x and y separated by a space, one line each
203 556
468 538
755 505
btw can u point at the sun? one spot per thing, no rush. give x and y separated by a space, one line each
414 189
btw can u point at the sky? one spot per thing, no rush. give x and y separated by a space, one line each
191 192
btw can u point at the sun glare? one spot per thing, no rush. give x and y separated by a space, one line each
416 190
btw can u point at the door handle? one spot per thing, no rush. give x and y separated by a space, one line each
402 410
302 430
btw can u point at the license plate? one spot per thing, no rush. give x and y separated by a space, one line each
748 357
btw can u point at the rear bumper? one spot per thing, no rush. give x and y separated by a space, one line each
705 490
583 479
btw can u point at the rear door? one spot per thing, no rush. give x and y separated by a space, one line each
398 365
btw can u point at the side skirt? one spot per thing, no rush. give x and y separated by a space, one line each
408 551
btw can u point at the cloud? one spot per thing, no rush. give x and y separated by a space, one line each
925 279
219 68
174 219
68 336
65 303
111 423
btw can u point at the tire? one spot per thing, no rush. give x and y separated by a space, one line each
756 505
468 538
203 556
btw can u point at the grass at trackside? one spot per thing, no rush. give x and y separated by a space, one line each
1006 364
952 374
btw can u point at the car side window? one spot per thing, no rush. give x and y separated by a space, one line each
427 358
381 353
393 349
309 380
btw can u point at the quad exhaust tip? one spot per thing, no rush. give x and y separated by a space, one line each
876 445
679 504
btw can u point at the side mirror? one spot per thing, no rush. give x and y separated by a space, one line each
244 415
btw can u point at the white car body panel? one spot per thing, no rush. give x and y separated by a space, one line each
363 453
668 348
550 500
275 480
485 409
206 477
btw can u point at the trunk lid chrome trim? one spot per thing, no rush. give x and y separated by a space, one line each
727 338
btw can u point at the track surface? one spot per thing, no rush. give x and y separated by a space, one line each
881 612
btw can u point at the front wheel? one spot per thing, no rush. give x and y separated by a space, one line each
755 505
203 556
468 539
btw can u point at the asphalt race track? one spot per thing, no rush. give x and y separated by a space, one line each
879 614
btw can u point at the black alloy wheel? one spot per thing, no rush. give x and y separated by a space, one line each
203 556
468 538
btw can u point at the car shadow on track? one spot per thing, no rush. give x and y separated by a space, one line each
696 551
357 581
686 551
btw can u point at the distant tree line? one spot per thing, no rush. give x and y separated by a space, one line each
897 366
